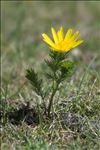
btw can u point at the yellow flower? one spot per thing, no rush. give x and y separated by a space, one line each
61 43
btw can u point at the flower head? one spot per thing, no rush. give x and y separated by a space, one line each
62 43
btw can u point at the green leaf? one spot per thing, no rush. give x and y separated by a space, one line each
57 56
67 68
67 64
35 81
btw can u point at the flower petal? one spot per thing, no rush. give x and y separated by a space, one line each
54 35
78 43
60 34
68 34
75 35
47 39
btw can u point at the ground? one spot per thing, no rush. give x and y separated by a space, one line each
77 125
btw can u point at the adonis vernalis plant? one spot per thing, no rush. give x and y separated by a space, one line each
59 68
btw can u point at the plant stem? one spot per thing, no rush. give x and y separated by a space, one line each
51 98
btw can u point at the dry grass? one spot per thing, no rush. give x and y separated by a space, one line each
22 47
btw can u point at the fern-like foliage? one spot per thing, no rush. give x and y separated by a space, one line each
36 83
59 68
67 68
